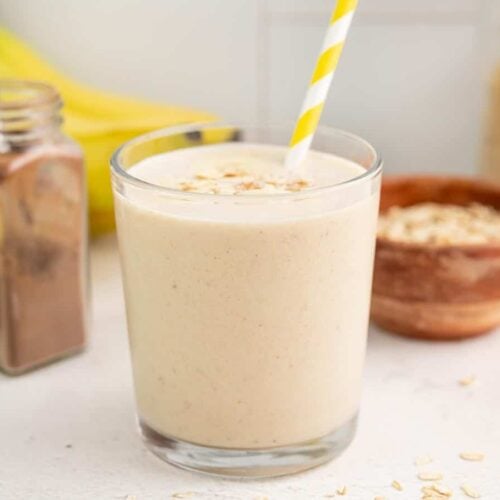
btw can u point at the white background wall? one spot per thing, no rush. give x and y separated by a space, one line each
412 78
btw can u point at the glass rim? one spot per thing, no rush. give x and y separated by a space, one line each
370 173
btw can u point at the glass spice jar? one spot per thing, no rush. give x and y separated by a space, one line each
43 230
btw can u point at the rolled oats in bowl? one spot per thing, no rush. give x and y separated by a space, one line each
441 224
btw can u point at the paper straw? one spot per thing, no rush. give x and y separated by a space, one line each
320 82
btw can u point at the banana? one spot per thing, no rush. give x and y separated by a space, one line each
99 121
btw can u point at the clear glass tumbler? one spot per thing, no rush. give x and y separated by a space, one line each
247 315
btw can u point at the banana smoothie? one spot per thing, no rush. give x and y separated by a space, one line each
247 291
247 326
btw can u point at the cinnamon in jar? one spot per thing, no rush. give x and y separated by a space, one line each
43 230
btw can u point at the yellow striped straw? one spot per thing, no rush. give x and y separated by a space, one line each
320 82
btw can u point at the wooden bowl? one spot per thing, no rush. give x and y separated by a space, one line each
436 292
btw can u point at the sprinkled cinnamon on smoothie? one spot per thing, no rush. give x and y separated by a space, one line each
240 182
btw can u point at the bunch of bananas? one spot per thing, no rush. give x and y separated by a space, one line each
98 121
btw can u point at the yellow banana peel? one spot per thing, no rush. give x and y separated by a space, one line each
99 121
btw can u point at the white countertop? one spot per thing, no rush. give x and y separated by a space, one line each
68 432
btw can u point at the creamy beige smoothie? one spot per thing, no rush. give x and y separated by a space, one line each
247 294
